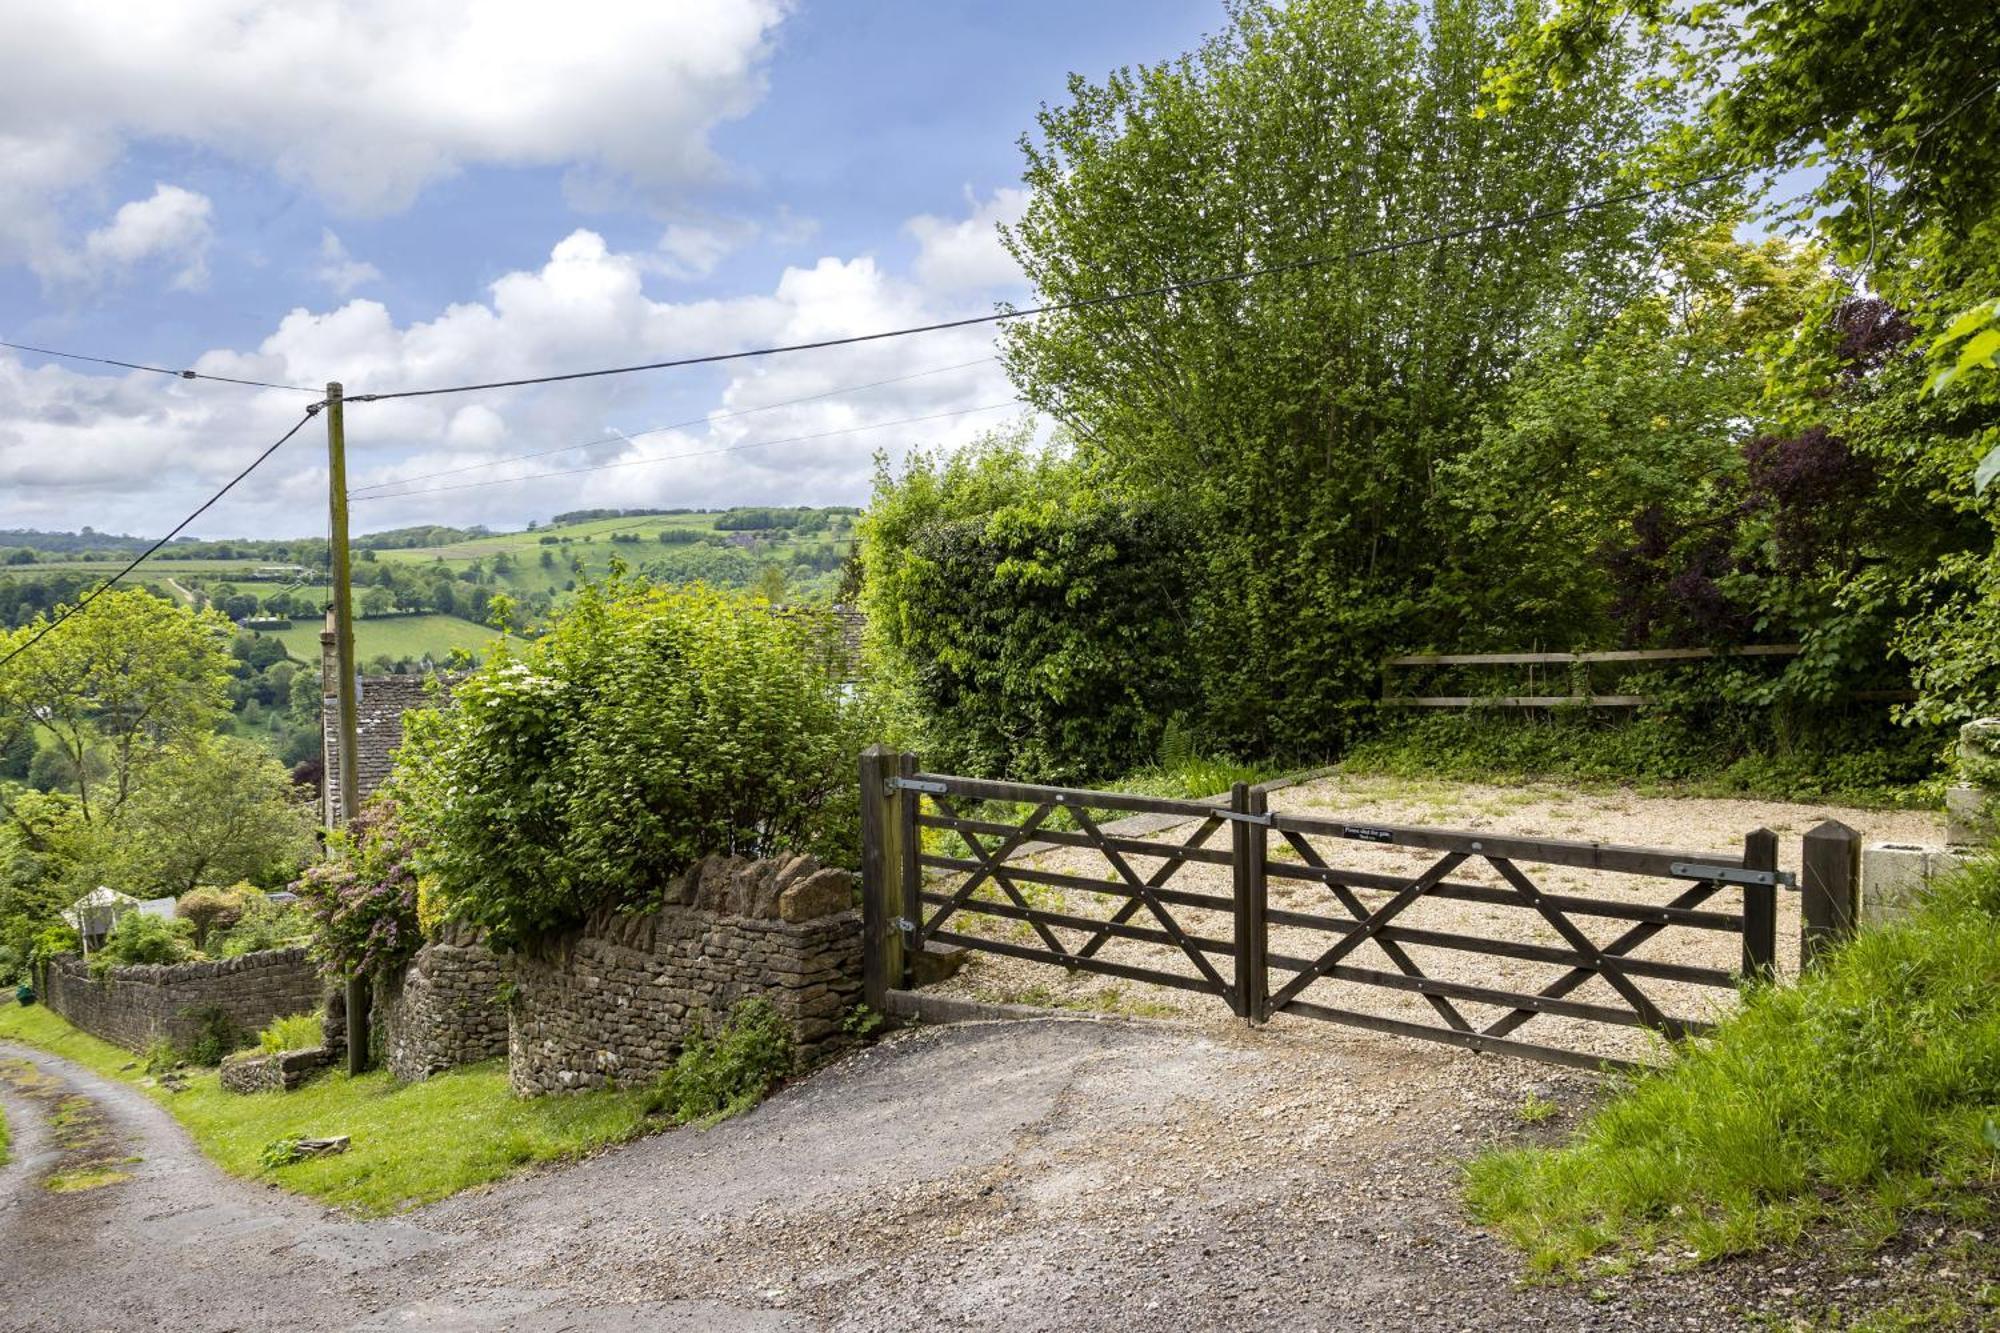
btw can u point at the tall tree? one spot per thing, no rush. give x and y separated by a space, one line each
1305 416
120 681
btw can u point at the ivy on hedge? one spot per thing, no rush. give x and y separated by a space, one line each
1035 622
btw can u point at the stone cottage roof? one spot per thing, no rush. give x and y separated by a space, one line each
378 725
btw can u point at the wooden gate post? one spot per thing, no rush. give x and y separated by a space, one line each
1760 908
882 876
1248 845
1829 885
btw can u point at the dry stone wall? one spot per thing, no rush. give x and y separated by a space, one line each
136 1006
446 1008
613 1002
281 1071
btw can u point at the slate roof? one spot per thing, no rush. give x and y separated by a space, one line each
379 730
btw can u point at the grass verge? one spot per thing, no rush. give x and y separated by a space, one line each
410 1143
1864 1095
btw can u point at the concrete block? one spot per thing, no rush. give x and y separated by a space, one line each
1893 876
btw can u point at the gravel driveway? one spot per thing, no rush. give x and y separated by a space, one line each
1050 1174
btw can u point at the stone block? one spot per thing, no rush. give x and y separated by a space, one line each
1968 816
822 893
1893 876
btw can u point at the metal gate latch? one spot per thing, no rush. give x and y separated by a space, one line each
1732 874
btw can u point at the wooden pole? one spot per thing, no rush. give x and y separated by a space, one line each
1831 874
348 762
878 867
909 884
1247 852
1760 908
345 689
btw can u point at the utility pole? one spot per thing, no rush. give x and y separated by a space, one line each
348 774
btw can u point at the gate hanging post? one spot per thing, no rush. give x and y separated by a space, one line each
881 876
1248 845
909 906
1760 908
1828 887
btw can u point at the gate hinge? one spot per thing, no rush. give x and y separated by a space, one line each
917 784
1732 874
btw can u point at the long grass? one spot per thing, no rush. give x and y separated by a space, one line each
1869 1089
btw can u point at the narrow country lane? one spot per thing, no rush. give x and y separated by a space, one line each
1036 1175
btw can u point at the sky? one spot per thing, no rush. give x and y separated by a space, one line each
405 193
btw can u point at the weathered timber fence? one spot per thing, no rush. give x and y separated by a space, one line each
1577 698
942 851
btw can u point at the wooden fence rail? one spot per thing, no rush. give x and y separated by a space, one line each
1587 699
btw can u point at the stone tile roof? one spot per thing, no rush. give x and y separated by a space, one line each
378 725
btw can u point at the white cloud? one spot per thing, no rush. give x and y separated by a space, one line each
692 250
366 102
340 270
172 225
965 254
132 452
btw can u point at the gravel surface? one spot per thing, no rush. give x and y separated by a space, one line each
1050 1174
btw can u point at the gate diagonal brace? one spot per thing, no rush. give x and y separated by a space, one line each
990 866
1157 879
1145 892
964 892
1618 948
1359 911
1370 927
1605 967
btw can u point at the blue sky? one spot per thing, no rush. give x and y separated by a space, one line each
403 193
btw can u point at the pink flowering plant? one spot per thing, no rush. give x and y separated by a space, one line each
363 897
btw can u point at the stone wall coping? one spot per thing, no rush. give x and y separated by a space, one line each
168 974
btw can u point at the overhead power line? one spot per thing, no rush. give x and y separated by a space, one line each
355 493
696 453
1087 303
158 370
91 596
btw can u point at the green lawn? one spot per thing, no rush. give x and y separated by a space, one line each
411 1143
398 636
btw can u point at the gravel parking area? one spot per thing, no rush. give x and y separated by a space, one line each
1536 810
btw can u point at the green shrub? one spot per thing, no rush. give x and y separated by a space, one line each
721 1075
648 728
138 937
361 901
209 908
1870 1087
1030 618
294 1032
266 926
1728 749
216 1035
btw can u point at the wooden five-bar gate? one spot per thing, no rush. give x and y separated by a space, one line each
950 860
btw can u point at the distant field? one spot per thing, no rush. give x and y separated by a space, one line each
518 544
398 636
154 568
